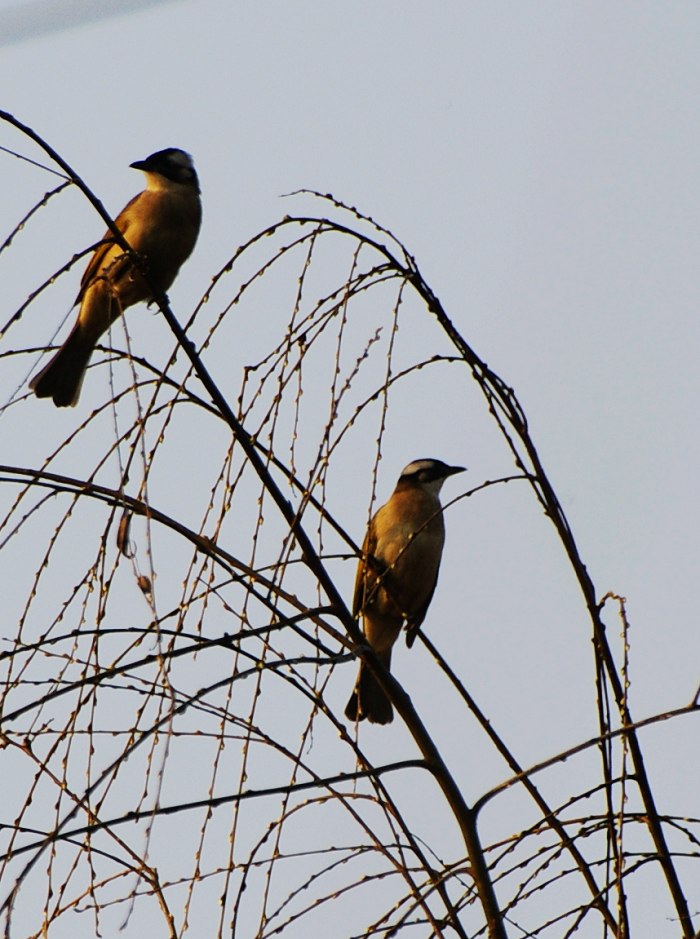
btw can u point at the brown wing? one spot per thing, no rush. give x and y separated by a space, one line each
436 526
368 548
98 258
415 622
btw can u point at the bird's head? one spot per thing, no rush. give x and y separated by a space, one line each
171 164
428 474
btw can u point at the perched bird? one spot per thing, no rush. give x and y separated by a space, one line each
161 225
397 575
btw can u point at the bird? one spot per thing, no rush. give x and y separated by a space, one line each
161 225
397 575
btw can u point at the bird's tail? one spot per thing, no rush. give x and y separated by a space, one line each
368 699
63 377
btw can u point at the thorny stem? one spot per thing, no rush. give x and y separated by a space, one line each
545 493
495 391
465 818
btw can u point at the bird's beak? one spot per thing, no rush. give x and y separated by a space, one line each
451 470
138 165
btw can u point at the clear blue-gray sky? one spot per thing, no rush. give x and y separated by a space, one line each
540 161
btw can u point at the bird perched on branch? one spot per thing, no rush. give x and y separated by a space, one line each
161 225
397 575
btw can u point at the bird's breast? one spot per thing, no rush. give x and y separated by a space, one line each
163 228
410 535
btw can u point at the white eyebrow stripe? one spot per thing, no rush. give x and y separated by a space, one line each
180 158
416 466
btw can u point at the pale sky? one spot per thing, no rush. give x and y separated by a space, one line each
540 162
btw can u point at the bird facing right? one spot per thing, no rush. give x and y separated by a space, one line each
397 574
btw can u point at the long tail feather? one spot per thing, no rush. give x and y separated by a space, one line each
63 377
369 701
